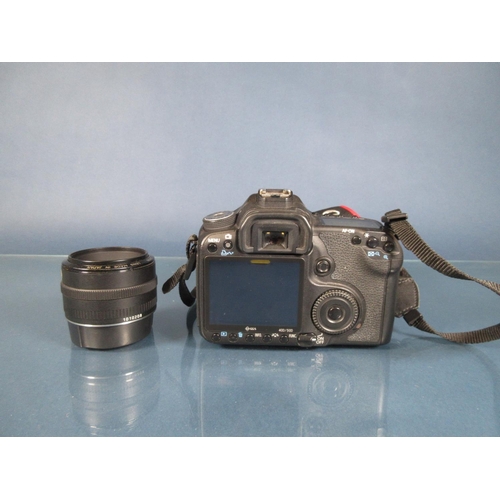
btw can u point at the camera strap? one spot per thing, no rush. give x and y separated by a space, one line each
407 297
182 274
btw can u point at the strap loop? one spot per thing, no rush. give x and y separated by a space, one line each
394 216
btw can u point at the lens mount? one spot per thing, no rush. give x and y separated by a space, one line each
109 296
336 311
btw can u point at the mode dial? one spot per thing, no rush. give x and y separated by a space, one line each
219 220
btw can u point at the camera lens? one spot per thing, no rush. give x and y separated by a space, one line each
109 296
336 311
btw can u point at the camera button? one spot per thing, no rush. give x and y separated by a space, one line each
323 267
356 240
228 244
212 247
372 242
389 247
283 339
216 337
267 337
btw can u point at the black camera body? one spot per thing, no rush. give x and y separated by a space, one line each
274 273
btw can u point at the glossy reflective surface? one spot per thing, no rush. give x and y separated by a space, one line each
173 383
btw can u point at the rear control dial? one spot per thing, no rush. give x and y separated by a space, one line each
335 312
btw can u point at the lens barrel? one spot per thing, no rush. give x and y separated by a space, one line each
109 296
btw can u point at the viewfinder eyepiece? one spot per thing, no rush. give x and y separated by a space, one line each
274 239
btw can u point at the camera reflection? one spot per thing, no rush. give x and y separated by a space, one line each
244 391
111 391
290 393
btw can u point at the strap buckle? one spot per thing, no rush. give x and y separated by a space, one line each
412 316
394 216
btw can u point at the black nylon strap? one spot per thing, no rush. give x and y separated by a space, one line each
397 222
182 274
408 296
413 242
173 281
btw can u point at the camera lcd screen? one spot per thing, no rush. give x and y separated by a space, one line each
257 292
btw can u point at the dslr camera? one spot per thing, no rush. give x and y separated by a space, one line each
273 273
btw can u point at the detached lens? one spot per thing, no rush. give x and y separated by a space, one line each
109 296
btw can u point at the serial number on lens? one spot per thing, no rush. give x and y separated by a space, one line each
132 318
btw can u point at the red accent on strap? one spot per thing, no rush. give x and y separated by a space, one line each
351 211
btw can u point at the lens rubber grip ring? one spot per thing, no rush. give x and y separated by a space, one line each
91 312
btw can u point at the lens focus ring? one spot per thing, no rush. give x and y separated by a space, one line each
335 312
112 294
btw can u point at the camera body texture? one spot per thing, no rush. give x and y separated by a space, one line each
274 273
